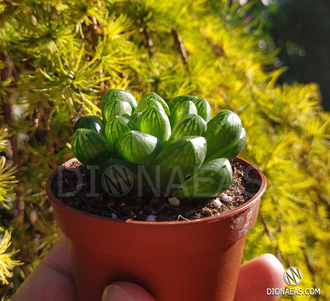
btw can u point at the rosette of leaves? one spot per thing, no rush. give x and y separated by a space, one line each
90 122
225 136
116 127
89 146
187 104
218 176
117 102
185 152
155 122
118 95
152 100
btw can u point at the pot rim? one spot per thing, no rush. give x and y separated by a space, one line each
225 215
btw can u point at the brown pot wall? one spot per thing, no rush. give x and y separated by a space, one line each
175 261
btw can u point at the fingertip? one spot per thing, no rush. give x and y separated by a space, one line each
271 270
256 276
272 262
125 291
135 291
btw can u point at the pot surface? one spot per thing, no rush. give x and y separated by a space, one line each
175 261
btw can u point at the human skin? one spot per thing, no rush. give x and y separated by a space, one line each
52 281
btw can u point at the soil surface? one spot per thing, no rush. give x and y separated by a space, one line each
150 208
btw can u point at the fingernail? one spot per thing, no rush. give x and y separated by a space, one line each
114 292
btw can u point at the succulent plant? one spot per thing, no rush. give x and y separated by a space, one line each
134 117
116 108
116 127
90 122
137 147
179 143
189 125
203 108
218 175
150 100
181 156
178 100
223 134
155 122
151 103
118 95
186 108
89 146
232 149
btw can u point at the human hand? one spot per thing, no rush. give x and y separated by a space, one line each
53 281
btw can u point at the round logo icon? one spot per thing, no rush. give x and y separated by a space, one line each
117 180
292 276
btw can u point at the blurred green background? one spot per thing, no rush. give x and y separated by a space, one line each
301 29
57 58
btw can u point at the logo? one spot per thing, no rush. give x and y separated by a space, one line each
117 180
292 276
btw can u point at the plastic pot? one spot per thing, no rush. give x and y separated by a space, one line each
174 261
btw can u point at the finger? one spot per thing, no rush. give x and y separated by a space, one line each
52 280
124 291
256 276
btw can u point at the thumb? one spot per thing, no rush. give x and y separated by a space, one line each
125 291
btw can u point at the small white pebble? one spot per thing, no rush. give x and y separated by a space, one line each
114 215
226 197
174 201
217 202
151 218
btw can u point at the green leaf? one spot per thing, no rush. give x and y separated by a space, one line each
156 123
137 147
185 108
182 155
222 130
116 108
151 103
118 95
231 150
208 181
116 127
135 117
90 122
178 100
89 146
190 125
152 99
203 108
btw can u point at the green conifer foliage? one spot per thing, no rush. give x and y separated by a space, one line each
57 58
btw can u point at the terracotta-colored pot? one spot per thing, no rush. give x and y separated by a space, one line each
194 260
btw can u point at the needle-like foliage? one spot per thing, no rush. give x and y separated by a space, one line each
7 264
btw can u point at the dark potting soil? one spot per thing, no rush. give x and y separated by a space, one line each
148 207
